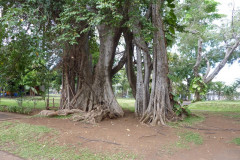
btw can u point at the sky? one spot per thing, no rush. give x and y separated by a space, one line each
230 72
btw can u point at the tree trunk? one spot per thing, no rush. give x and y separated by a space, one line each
102 85
76 66
139 110
93 91
199 58
143 95
218 68
128 36
160 108
197 96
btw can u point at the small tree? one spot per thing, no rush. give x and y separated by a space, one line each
230 92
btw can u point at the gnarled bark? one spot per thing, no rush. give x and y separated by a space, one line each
139 110
109 38
128 36
76 66
142 94
160 108
93 89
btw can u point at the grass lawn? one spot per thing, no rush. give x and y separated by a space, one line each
216 106
31 102
38 103
126 103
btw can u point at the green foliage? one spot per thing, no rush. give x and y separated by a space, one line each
120 83
180 74
216 86
27 47
178 108
171 22
230 92
198 85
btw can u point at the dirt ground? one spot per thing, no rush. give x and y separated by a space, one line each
156 143
7 156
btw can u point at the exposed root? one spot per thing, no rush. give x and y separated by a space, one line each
62 112
154 120
95 116
97 140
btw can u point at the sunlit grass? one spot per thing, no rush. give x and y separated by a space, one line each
30 102
188 121
127 103
216 106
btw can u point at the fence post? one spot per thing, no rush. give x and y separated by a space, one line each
53 103
47 107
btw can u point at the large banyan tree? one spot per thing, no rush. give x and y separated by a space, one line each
88 86
88 33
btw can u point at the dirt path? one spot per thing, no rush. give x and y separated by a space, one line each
128 135
7 156
10 116
218 132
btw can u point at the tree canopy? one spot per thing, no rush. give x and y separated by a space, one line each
87 42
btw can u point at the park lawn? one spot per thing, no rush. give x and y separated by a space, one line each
126 103
29 102
216 106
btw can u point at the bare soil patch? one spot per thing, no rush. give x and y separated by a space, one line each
8 156
128 135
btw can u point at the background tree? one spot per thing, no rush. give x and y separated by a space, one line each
230 92
201 35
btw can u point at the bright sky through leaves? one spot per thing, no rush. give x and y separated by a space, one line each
230 72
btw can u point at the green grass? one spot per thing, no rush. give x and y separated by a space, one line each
128 104
39 142
30 102
216 106
191 137
188 121
237 141
233 115
37 103
186 138
25 105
